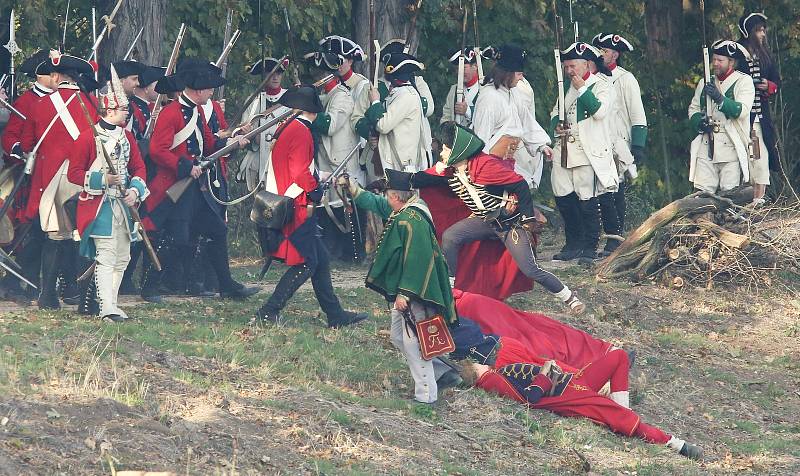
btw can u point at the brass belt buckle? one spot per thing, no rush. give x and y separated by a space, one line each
716 128
571 139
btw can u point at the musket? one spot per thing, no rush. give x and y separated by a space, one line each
295 58
460 78
177 189
133 45
137 220
373 35
478 57
412 25
708 105
108 19
573 21
11 108
230 40
562 114
236 118
13 49
173 59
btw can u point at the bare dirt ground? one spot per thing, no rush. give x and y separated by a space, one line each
189 388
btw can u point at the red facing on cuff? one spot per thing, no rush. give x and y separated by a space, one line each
772 88
542 382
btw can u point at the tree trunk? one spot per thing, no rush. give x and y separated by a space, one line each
664 28
392 20
133 15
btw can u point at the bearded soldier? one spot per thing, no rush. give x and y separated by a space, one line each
335 140
50 188
461 112
181 137
589 170
411 273
255 161
104 219
629 120
767 80
723 164
404 142
297 243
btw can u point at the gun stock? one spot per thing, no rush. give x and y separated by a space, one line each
173 60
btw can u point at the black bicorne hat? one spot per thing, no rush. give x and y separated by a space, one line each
304 98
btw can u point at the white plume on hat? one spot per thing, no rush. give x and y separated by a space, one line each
115 97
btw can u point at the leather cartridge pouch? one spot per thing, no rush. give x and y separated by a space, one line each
271 210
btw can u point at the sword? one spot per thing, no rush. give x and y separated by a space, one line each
106 29
133 44
14 273
13 49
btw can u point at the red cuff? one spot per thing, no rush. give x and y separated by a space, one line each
772 88
542 382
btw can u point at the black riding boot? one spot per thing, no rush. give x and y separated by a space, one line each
569 207
326 297
69 258
88 305
48 294
290 282
611 226
590 217
127 287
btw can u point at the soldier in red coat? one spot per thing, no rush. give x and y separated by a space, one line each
53 126
299 244
29 257
180 139
103 216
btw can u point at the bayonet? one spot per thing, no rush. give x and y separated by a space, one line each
460 78
708 78
295 58
478 58
228 40
133 45
412 25
558 27
11 108
66 22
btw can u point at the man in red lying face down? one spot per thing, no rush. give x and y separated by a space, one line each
511 370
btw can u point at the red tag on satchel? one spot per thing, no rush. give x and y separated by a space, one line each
434 337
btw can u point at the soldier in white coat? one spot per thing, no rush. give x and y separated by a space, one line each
335 139
589 170
404 141
364 127
461 111
629 119
255 161
723 165
502 118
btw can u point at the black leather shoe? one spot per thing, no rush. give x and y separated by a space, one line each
264 315
692 452
240 292
587 258
347 319
451 378
567 255
113 318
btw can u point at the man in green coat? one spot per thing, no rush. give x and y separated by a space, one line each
410 272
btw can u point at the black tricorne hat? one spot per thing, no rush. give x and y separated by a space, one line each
170 84
401 66
578 50
258 68
750 21
36 64
151 74
395 45
128 68
398 180
199 74
341 46
469 56
304 98
68 64
612 41
511 57
729 48
324 60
